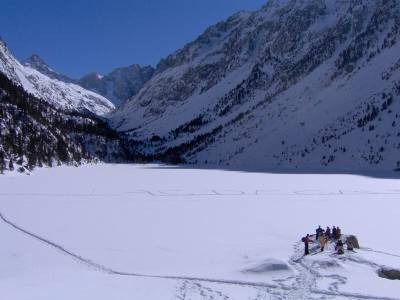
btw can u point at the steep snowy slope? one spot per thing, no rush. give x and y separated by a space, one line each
117 86
34 133
61 94
120 85
298 84
37 63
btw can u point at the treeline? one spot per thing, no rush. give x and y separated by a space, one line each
34 133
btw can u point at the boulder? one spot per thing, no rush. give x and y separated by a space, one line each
391 274
354 241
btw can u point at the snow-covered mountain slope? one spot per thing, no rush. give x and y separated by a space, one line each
37 63
298 84
34 133
120 85
61 94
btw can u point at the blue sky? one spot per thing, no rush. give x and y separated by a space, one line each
79 36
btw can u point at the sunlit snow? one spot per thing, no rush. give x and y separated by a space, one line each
154 232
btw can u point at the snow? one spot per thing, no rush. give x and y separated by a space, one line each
58 93
255 123
195 234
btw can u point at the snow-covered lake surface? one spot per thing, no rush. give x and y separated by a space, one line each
92 233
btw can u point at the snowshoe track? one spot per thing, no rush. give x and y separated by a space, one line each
304 288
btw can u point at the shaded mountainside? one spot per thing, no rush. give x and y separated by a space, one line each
48 85
35 133
120 85
298 84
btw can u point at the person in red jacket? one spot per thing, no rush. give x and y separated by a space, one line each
306 240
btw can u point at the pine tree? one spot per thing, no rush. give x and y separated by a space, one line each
11 165
2 163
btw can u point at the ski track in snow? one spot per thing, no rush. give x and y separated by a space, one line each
216 193
381 252
303 288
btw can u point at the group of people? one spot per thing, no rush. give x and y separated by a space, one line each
323 236
335 233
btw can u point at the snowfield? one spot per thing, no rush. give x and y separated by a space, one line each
154 232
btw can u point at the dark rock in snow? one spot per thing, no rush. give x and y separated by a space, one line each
391 274
354 241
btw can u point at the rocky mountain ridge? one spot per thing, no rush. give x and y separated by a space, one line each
64 95
37 63
296 85
119 85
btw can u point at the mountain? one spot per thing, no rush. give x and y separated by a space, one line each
117 86
61 94
298 84
36 133
120 84
37 63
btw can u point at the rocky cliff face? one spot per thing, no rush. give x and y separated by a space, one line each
119 85
298 84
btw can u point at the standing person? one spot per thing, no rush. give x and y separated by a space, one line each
328 233
322 241
334 232
338 233
306 240
318 232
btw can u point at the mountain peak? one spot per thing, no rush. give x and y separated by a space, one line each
35 60
38 63
36 78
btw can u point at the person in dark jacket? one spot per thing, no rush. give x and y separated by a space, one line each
328 233
318 232
334 232
306 240
339 247
338 232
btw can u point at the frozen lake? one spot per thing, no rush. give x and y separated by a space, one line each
193 234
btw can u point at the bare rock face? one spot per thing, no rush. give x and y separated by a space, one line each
120 85
391 274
